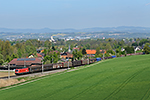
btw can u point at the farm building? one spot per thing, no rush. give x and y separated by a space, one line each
24 62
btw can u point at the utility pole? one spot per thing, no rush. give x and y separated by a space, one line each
42 67
24 63
103 54
115 53
68 64
8 71
52 58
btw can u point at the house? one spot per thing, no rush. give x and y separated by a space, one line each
24 62
122 49
66 55
103 51
137 48
38 55
91 53
76 48
40 50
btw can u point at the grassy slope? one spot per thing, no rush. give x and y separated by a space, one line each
121 78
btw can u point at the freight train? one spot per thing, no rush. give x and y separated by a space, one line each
38 68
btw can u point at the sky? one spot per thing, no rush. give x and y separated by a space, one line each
76 14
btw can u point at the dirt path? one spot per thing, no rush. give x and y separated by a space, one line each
5 74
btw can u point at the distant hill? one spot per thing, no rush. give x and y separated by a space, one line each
95 29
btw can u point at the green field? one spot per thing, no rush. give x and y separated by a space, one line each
125 78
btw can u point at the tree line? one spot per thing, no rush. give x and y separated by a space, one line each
23 48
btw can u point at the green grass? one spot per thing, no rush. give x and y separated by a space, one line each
125 78
139 51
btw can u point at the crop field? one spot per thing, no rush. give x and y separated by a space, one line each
126 78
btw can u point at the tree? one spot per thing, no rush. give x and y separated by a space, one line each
8 58
28 42
97 51
117 50
107 55
143 41
47 44
74 54
99 55
19 53
1 59
146 48
53 48
87 46
84 51
6 49
51 57
108 46
129 49
134 44
111 51
14 56
121 43
77 54
71 47
55 57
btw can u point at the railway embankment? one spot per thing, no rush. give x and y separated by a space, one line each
6 82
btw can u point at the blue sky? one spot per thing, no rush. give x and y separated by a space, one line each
77 14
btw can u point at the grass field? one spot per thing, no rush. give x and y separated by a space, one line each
125 78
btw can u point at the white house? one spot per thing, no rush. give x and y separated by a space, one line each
137 48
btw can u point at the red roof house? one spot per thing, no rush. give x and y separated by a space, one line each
92 53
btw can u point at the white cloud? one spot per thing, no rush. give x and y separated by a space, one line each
147 4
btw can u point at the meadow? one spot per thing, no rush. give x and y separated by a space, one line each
125 78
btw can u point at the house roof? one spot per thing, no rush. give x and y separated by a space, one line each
90 51
26 61
23 63
42 51
76 48
67 54
94 51
39 55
